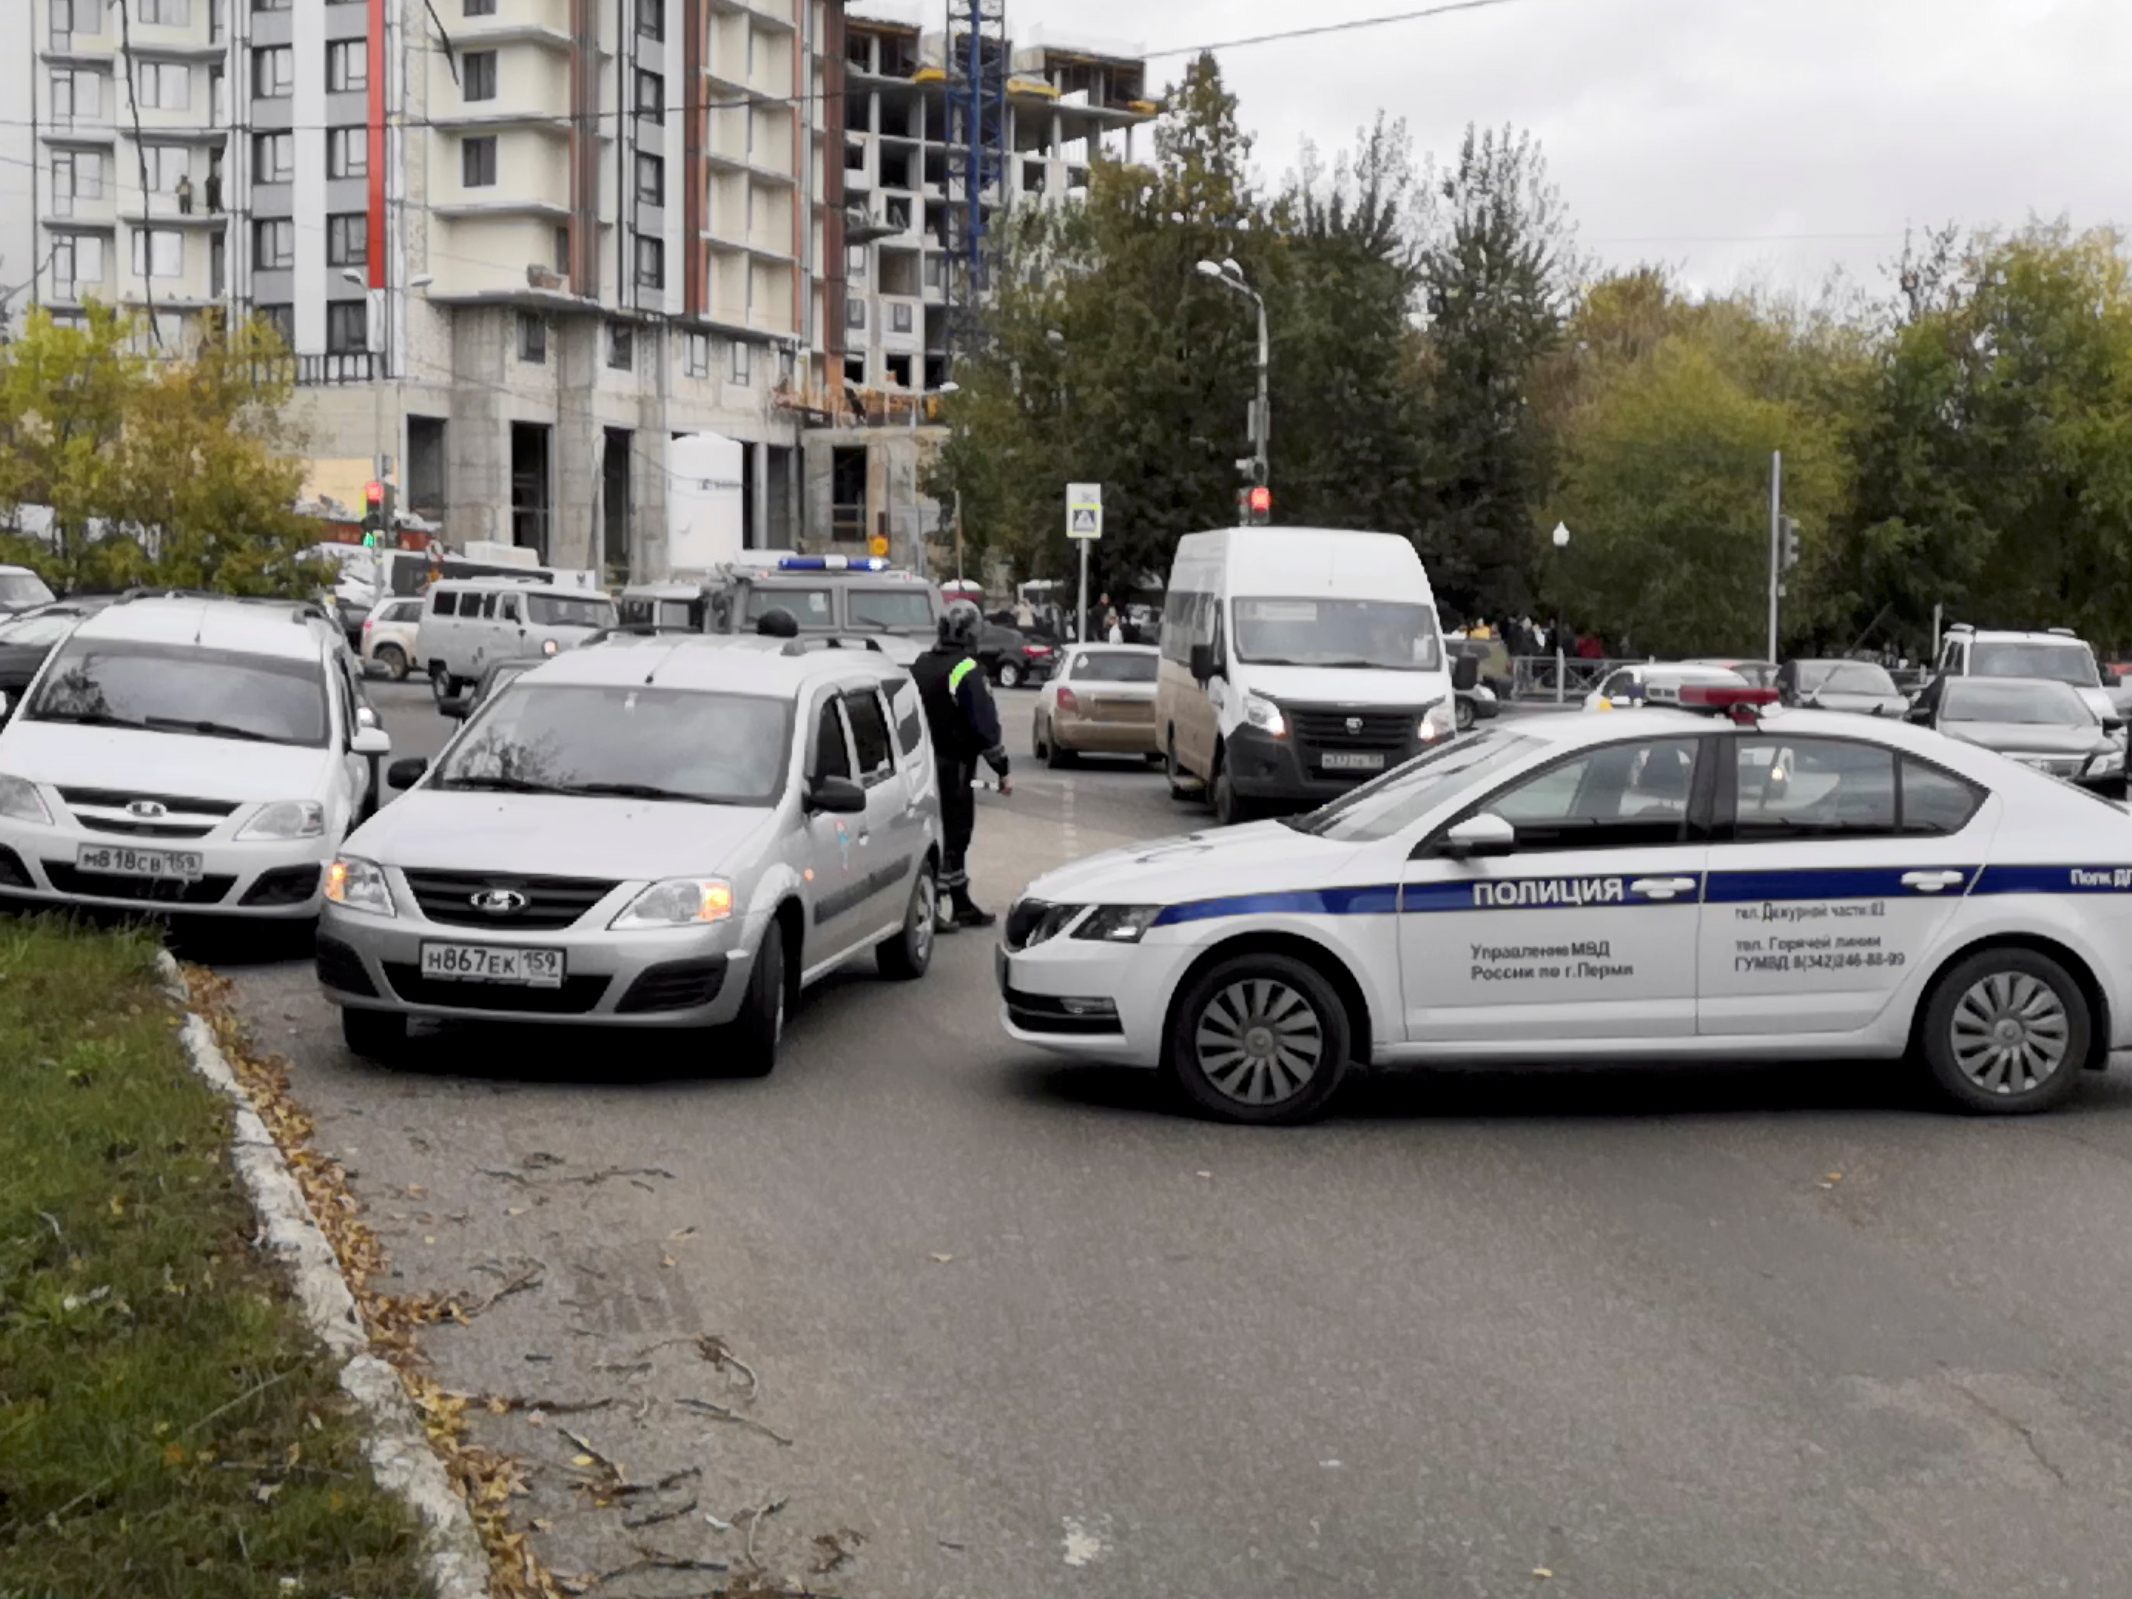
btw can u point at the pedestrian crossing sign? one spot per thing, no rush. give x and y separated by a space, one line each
1084 510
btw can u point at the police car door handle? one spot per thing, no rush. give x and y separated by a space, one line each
1661 887
1932 882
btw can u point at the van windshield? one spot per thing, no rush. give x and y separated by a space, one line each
1383 634
2069 662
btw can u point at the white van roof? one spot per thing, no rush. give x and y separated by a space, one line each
1301 561
516 585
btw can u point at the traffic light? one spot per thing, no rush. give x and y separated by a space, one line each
1788 543
373 513
1258 504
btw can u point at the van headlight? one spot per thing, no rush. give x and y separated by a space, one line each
1439 721
286 819
1118 924
359 885
678 902
1264 715
19 799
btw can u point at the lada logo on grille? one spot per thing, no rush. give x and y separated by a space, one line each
498 901
147 810
1354 724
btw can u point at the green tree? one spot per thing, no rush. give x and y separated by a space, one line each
164 472
1496 270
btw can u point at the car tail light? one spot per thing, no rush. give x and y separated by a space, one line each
369 622
1033 651
1067 702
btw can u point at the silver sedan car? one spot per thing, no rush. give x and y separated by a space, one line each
669 832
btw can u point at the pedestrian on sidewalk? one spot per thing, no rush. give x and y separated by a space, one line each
965 726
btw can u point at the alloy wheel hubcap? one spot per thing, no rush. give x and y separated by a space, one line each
928 908
1259 1041
2010 1033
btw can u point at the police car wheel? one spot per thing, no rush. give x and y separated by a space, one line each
753 1038
909 951
2006 1032
373 1034
1259 1038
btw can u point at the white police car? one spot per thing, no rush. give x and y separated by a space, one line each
1647 884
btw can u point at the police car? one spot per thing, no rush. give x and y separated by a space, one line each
1713 878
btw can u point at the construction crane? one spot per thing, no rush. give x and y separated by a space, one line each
977 65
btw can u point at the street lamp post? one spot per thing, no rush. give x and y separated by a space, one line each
1560 538
387 461
1231 276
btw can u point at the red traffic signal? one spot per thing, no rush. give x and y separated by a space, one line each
373 494
1261 500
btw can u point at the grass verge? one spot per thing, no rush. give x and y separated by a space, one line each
168 1427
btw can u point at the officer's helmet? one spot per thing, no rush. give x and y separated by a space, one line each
960 624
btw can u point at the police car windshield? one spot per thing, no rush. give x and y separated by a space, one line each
1325 632
1403 796
2070 662
624 742
889 609
2034 704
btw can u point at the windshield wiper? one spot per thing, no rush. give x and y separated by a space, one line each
499 785
648 791
89 719
180 724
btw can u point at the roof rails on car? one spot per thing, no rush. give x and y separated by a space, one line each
300 611
829 641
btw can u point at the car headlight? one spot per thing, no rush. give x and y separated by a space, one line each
19 799
359 885
1438 721
678 902
1118 924
286 819
1264 715
547 646
1043 921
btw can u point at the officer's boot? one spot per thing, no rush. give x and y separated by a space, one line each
966 913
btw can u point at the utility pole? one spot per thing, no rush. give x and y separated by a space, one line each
1776 541
1253 507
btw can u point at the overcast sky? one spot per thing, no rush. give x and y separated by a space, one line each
1764 140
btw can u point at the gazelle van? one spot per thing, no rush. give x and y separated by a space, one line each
1296 663
470 624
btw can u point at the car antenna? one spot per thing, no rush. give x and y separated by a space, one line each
661 661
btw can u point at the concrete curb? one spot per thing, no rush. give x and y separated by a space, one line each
399 1450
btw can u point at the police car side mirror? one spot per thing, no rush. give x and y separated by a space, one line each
1485 834
836 795
1202 662
1465 672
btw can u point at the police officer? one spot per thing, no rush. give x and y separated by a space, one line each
965 725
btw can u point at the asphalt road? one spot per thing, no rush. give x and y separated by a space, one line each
1033 1331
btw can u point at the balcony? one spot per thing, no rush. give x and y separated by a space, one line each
325 371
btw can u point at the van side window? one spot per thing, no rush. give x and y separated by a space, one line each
443 602
507 607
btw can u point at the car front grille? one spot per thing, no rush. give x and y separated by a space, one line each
551 902
133 829
117 799
675 985
1352 730
575 997
67 878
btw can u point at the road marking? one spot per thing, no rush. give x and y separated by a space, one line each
1066 827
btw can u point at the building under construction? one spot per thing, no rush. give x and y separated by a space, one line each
950 117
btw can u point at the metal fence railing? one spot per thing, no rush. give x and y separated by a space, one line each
1559 678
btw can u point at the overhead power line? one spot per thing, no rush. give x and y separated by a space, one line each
1352 25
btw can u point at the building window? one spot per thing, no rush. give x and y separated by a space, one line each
855 313
282 319
62 15
348 239
532 338
347 65
562 251
899 318
651 263
273 157
739 369
651 18
696 355
158 253
162 85
164 165
274 72
347 152
274 243
347 326
935 271
270 5
855 262
477 162
77 264
78 174
164 13
478 8
621 346
479 78
651 179
651 94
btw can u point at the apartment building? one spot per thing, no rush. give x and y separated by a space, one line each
1066 101
517 246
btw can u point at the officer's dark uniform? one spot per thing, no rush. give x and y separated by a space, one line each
965 727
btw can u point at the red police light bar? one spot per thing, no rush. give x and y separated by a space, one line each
1261 501
1738 701
373 493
